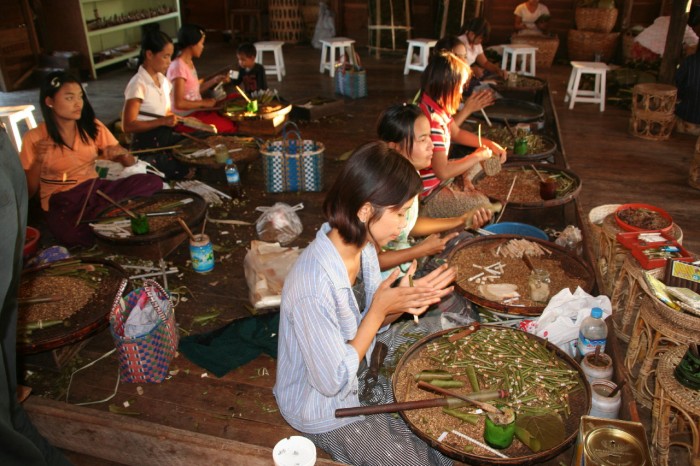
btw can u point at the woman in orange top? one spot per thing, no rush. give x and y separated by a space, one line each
59 157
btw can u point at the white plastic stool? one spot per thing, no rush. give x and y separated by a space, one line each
342 45
274 46
597 95
423 47
10 116
526 52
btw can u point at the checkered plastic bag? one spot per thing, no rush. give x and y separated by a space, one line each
292 163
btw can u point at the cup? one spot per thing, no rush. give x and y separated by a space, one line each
294 451
548 189
202 254
520 146
512 79
139 225
221 153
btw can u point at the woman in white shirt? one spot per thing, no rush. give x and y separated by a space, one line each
472 36
531 18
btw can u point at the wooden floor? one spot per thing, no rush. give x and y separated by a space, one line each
239 407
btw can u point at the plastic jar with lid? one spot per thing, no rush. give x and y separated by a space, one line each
603 405
539 285
600 368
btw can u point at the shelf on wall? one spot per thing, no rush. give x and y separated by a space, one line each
132 24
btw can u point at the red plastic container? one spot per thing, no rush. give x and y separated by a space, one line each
31 241
632 242
627 227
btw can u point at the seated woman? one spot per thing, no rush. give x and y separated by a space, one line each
59 157
649 45
147 115
187 88
407 130
531 18
472 36
688 106
441 90
335 307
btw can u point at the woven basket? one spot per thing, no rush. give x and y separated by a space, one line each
286 23
596 19
595 222
546 48
584 45
310 15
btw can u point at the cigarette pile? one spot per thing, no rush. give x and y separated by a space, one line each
517 248
208 152
488 273
117 229
211 195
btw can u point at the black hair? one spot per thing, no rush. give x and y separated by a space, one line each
442 79
87 128
478 27
152 40
187 36
247 49
396 124
694 16
447 44
374 174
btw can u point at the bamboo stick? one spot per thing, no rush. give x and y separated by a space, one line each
442 391
155 149
116 204
85 203
403 406
186 228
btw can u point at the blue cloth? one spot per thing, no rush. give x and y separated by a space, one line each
688 84
316 367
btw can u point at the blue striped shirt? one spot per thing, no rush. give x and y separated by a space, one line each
316 367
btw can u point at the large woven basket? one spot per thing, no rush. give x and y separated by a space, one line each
286 23
596 19
547 47
584 45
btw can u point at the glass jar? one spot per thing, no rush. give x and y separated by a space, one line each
539 285
499 429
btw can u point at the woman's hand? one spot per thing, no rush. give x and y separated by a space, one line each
497 149
479 100
434 244
169 120
119 154
482 153
479 218
208 103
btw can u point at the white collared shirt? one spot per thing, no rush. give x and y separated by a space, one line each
154 99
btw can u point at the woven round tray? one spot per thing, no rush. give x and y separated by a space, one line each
526 190
611 228
86 321
513 110
677 322
249 150
565 270
262 115
684 397
416 359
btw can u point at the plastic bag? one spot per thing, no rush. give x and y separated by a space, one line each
110 170
325 26
266 265
279 223
571 239
561 319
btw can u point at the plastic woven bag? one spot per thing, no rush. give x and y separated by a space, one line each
146 357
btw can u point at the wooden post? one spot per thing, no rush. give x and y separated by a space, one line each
445 11
626 15
674 41
694 175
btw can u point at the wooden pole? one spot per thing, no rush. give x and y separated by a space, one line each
694 175
626 14
674 41
445 11
408 19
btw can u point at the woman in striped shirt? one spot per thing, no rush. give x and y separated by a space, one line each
334 304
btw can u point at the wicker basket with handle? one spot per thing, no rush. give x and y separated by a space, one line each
584 45
596 19
547 47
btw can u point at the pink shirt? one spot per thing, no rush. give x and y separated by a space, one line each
178 69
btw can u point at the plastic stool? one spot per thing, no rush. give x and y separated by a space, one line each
526 52
274 46
422 47
10 116
597 95
342 45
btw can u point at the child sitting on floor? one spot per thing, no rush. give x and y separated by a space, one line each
251 75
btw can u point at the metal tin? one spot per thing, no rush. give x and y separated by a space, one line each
202 254
611 442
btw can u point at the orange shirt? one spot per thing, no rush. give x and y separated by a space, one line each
62 168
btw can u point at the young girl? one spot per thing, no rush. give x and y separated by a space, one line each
149 91
441 90
187 88
59 156
334 304
473 34
531 18
407 130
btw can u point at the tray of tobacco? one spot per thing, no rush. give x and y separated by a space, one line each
114 229
513 110
540 387
50 317
539 147
241 149
520 185
494 271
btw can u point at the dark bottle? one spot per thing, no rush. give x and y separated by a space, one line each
233 178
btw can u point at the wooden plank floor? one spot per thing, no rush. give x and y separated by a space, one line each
614 167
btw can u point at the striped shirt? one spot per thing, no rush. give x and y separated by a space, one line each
440 135
316 367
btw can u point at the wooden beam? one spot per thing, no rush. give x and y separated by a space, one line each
132 441
674 41
626 14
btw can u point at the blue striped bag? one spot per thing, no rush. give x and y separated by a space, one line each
292 164
351 79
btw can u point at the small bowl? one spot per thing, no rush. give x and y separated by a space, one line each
31 241
627 227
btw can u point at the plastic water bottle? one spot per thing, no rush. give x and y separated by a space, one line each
233 178
593 332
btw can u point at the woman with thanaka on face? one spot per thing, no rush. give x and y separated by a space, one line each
407 130
441 90
59 157
149 92
187 87
335 306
